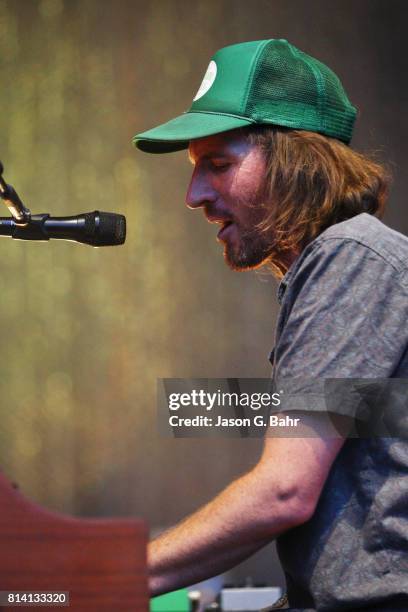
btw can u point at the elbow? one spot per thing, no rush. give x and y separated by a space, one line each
291 507
299 509
280 504
295 506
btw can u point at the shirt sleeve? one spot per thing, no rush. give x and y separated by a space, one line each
344 316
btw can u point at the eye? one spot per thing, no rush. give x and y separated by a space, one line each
220 165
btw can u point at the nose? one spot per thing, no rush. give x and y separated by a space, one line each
200 190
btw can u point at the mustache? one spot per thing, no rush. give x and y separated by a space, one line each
217 215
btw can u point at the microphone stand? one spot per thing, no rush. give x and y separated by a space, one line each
90 572
21 214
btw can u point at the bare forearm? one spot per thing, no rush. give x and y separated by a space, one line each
193 571
218 536
279 493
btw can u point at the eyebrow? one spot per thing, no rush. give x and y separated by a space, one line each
210 155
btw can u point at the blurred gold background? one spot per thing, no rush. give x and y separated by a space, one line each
86 332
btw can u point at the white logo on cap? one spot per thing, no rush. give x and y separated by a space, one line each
208 80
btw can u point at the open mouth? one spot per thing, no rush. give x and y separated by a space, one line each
224 229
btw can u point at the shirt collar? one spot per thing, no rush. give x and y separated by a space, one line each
282 288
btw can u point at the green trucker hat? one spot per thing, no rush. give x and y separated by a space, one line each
264 82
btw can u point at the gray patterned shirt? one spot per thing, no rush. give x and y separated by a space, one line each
344 314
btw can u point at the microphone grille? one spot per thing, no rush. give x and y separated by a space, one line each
105 229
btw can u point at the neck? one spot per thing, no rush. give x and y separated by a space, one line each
286 259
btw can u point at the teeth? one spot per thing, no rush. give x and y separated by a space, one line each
220 221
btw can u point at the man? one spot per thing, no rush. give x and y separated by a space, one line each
268 135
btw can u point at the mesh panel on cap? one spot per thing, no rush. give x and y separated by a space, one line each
292 89
283 85
338 114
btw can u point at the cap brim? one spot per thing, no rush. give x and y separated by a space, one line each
177 133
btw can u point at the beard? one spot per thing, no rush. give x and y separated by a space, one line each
252 251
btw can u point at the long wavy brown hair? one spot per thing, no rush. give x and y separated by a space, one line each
312 182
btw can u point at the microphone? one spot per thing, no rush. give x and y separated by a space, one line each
94 228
